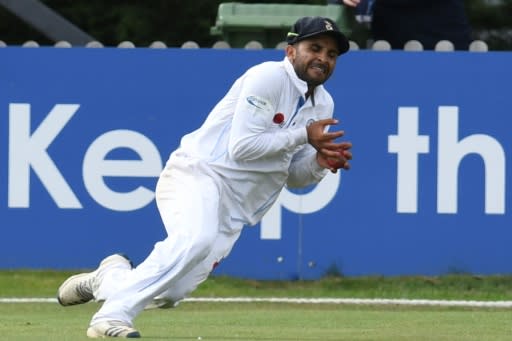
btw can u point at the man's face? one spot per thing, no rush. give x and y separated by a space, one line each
314 59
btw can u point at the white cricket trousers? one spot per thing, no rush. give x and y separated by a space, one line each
199 234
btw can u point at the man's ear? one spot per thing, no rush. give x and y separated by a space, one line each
290 52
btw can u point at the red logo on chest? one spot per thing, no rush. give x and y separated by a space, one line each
278 118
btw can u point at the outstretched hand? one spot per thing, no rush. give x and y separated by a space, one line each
338 162
330 154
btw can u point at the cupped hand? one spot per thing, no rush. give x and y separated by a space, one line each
340 161
323 140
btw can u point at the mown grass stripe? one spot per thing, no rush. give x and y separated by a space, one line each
353 301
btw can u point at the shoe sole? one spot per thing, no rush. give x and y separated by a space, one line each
94 334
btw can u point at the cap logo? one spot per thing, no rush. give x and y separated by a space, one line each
328 26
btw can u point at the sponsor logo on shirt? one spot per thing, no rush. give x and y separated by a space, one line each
258 102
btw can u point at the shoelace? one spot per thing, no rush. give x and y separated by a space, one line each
84 289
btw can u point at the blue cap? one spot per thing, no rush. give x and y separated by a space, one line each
307 27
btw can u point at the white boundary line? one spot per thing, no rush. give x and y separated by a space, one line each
353 301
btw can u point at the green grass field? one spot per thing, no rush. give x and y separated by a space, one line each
277 321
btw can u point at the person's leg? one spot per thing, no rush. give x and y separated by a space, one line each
188 204
109 282
188 283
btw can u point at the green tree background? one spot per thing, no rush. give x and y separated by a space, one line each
175 22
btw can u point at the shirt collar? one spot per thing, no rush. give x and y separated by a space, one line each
301 85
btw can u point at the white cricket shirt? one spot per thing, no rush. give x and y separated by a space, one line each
255 140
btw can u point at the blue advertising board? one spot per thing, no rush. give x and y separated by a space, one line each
84 134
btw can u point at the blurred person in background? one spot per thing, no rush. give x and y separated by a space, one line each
427 21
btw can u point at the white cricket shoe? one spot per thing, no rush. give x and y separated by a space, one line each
80 288
112 329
